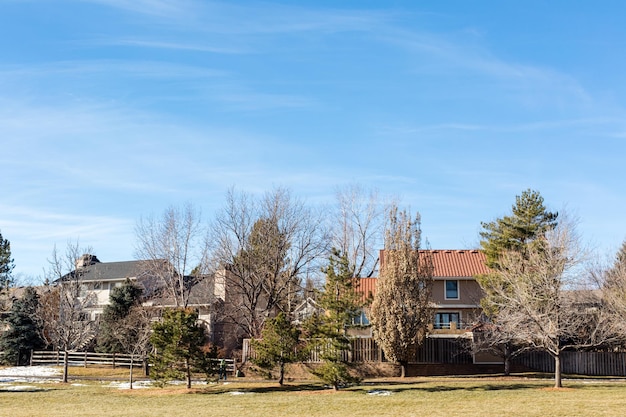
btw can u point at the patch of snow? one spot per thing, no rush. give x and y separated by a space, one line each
237 393
126 385
22 388
41 371
29 374
382 393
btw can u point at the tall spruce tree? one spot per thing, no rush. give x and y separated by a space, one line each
6 265
401 311
529 220
121 301
341 304
518 232
24 331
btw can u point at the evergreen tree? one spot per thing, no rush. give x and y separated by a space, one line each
6 265
280 345
519 232
401 311
24 331
529 220
341 304
121 301
178 343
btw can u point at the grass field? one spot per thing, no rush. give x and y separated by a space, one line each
413 397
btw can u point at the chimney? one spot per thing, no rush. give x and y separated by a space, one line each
86 260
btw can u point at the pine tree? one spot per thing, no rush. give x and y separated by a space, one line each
178 343
6 265
341 304
519 233
121 301
529 220
401 310
279 346
24 331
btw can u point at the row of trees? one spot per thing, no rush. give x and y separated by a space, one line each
273 247
541 293
537 296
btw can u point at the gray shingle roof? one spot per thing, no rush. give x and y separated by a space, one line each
106 271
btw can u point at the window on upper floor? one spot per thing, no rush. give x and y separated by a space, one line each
445 320
452 290
361 320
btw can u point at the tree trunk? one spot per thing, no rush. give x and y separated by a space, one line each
131 371
403 365
507 365
281 378
66 360
188 369
507 358
557 371
146 366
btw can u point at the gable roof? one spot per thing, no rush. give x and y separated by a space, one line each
447 263
458 263
106 271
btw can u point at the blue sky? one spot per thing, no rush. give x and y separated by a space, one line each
111 110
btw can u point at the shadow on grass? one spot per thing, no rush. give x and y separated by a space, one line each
223 389
415 387
391 386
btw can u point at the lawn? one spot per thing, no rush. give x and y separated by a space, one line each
413 397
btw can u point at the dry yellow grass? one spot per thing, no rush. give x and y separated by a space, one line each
413 397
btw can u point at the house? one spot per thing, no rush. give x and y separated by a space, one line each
98 279
455 294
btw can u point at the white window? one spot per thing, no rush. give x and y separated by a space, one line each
445 320
452 290
361 320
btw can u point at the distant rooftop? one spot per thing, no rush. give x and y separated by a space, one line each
448 263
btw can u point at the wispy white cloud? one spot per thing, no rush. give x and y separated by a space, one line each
159 8
181 46
135 68
544 125
258 101
252 18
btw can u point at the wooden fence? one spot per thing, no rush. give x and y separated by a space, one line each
85 359
114 360
365 349
577 363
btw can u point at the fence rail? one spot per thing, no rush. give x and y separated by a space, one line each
114 360
578 363
86 359
365 349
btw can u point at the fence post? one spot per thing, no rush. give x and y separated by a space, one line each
114 360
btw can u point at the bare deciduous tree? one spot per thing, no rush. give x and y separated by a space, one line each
542 302
611 282
401 310
266 246
133 333
64 307
174 254
358 227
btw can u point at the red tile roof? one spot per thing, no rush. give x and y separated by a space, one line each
367 287
448 264
458 263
